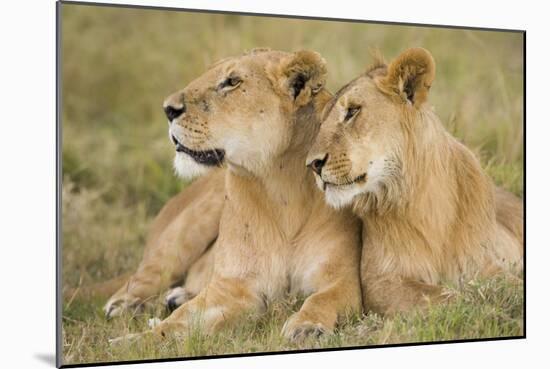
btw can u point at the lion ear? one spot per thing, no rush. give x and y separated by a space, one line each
300 75
410 76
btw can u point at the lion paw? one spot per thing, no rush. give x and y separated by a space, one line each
119 304
297 329
176 297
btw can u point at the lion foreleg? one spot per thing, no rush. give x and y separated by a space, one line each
223 301
389 294
321 311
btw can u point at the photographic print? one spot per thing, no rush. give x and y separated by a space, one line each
240 184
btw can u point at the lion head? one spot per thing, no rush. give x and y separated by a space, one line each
242 110
367 130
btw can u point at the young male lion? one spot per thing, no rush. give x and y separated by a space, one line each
428 209
259 113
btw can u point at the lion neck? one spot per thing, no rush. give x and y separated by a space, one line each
285 188
440 204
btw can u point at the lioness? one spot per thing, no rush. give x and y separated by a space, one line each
428 209
259 113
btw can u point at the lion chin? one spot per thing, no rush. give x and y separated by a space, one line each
187 168
339 197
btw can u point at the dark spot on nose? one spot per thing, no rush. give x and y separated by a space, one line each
317 164
172 112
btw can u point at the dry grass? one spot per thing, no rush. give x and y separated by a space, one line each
483 309
119 64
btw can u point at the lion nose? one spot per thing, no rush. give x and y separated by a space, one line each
172 111
174 105
317 164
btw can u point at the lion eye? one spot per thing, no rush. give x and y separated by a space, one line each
351 112
230 83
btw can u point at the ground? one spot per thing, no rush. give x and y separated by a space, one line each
117 67
482 309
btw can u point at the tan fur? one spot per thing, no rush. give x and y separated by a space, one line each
429 211
276 235
185 227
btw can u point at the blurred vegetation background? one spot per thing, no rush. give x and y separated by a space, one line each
118 64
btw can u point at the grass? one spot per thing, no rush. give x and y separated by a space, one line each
117 67
481 309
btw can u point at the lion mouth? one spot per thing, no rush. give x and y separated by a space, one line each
207 157
360 178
